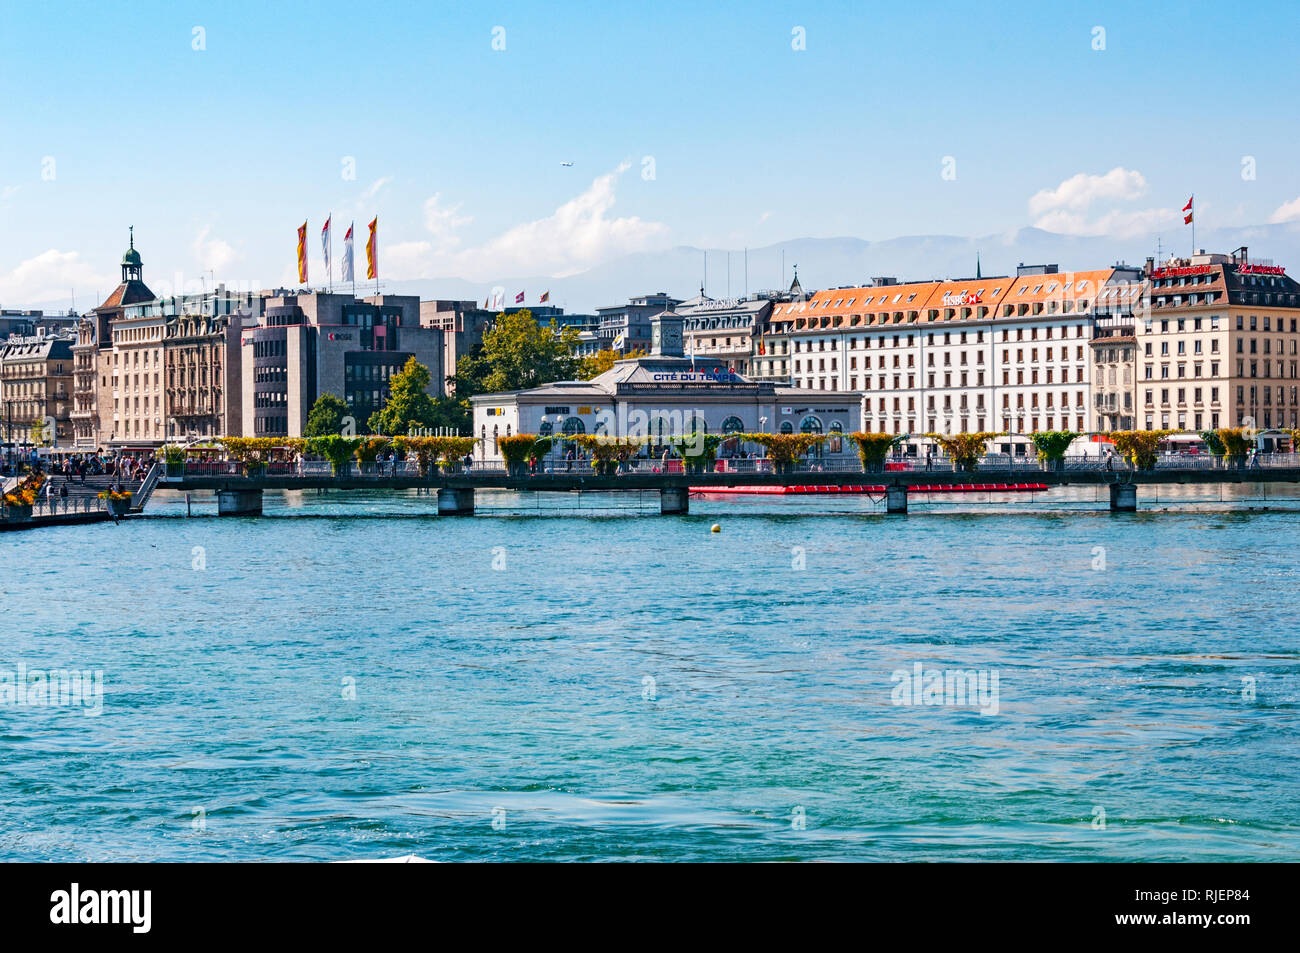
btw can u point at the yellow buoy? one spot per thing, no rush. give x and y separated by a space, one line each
715 528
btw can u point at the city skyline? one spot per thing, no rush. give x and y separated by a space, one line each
827 135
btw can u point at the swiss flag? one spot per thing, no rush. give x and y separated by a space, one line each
519 298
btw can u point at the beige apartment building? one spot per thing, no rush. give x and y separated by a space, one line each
36 390
1218 345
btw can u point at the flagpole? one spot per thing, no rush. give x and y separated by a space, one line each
331 241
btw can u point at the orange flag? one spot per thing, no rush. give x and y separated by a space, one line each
372 250
302 254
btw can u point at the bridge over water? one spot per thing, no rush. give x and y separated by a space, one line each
239 493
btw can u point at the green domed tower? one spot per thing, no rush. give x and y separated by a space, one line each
132 264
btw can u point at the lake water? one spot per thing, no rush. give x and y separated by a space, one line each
356 678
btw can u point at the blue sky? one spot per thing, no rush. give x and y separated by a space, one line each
111 117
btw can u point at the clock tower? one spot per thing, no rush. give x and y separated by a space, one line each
666 335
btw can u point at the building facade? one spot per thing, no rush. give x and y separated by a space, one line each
626 327
36 390
111 408
661 395
308 344
1217 345
724 332
1006 353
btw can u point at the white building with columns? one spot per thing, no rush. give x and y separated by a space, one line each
666 394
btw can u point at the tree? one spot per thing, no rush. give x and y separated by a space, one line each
602 361
410 406
326 416
517 353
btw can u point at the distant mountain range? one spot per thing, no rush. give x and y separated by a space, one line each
831 262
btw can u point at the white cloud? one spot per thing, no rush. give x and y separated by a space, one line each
578 235
1286 212
1117 224
375 186
442 223
51 276
8 192
213 254
1069 209
1080 191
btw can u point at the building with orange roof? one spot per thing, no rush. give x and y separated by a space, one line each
989 353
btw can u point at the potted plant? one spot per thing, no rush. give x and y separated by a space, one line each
1237 443
1051 446
785 449
174 459
1213 443
516 449
965 449
117 504
873 449
20 500
1139 447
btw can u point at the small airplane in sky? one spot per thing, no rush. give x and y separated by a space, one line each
566 163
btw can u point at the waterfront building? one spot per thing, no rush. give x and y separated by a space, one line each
985 353
127 400
771 360
462 323
85 385
311 343
626 327
662 394
36 389
724 331
1217 344
201 361
1114 352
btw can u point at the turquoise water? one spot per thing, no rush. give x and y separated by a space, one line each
633 686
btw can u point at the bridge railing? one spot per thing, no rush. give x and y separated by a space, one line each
553 466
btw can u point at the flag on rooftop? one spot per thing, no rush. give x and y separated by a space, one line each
372 250
302 254
347 255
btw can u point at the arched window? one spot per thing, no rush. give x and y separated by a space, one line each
496 447
810 424
545 429
732 424
787 427
572 425
836 443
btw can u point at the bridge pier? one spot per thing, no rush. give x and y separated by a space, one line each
456 502
239 502
674 501
1123 497
896 499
